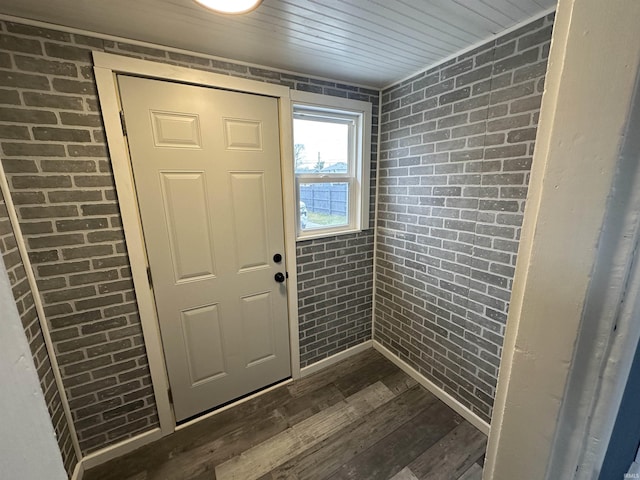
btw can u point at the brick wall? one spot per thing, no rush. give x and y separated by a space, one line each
55 155
24 300
335 280
456 149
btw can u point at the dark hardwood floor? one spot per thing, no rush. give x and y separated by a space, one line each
362 418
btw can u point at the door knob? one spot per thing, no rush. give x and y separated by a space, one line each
279 277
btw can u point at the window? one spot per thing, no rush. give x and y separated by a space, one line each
332 144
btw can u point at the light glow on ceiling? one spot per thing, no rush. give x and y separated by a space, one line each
233 7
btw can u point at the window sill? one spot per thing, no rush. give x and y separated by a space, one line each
326 234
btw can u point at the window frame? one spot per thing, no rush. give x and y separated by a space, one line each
357 114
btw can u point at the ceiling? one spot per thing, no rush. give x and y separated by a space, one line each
368 42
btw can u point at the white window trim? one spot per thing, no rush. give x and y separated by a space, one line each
362 161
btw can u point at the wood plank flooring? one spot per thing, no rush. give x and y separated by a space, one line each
362 418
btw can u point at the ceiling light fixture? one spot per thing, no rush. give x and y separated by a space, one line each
233 7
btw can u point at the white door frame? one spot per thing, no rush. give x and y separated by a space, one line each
106 67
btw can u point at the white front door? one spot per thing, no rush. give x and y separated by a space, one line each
206 165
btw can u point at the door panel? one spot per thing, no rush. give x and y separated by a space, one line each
250 220
176 130
190 242
203 344
206 165
256 317
242 134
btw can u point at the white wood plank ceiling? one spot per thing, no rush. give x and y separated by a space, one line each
368 42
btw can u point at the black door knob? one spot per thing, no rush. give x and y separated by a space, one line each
279 277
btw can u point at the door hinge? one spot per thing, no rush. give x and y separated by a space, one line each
149 277
170 393
124 124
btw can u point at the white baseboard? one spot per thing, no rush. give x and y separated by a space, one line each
78 472
315 367
119 449
463 411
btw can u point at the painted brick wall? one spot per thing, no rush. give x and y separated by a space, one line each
335 280
24 300
456 149
55 155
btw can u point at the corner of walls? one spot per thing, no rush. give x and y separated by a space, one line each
375 230
445 397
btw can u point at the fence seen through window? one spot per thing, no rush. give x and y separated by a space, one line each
327 204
